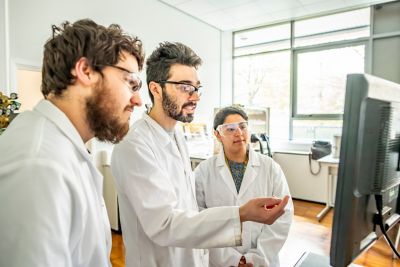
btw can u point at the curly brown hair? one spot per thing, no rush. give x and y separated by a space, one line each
100 45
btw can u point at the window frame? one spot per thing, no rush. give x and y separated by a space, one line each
296 50
316 48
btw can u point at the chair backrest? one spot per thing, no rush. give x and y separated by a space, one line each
263 140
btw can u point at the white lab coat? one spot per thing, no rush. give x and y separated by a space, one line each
52 211
263 178
159 214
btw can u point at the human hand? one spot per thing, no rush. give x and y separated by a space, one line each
245 265
263 210
242 262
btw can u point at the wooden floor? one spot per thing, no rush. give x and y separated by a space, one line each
306 234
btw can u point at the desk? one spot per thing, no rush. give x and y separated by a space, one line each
333 165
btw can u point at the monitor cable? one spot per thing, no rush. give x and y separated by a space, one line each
378 220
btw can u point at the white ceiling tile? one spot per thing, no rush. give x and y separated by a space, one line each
287 14
241 14
309 2
363 2
217 18
197 7
224 4
250 9
174 2
326 6
277 5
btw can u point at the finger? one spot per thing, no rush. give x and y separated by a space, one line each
284 202
270 201
278 202
275 213
281 206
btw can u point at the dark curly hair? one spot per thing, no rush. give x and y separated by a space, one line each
100 45
167 54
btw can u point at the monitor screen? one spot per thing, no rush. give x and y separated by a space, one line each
369 166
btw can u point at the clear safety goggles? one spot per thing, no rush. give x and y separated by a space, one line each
231 128
131 78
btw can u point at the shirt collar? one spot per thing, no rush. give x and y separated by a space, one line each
162 135
55 115
252 160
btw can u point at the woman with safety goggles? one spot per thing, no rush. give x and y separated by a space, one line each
234 176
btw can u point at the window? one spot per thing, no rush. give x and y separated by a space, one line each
301 77
316 129
332 28
264 81
321 79
260 40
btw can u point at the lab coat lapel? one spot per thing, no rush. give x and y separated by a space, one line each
51 112
175 150
250 173
186 160
47 109
163 138
225 173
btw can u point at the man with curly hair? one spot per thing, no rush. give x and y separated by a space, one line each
52 211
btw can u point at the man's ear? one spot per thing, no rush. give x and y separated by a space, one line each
155 89
83 72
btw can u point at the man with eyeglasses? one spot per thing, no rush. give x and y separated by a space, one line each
160 220
52 209
233 177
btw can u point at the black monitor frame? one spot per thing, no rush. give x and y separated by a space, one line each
369 155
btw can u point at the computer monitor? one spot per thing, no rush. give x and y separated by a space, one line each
369 166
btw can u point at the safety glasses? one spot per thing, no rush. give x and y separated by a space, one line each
132 79
230 128
185 87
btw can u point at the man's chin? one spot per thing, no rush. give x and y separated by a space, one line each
113 136
187 118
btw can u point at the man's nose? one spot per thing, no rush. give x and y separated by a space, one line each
195 96
136 100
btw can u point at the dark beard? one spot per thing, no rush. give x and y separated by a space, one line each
171 108
100 115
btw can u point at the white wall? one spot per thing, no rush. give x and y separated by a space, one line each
3 61
226 69
30 26
29 93
302 183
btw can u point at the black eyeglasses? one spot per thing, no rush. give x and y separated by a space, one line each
132 78
185 87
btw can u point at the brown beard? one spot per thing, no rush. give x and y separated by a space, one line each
100 114
171 108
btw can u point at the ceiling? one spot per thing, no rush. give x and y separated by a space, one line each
241 14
